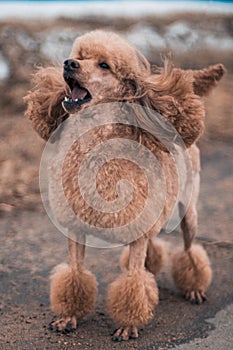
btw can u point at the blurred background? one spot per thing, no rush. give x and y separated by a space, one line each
41 33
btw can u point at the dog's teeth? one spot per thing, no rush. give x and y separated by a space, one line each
76 100
66 98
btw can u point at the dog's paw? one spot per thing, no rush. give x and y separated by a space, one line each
131 302
64 324
192 273
72 292
125 333
196 297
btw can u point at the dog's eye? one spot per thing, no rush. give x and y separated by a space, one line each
104 65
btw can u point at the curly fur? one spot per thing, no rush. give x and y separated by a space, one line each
191 270
72 292
206 79
132 298
175 95
170 91
44 102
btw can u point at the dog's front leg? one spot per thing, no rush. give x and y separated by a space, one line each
133 296
73 289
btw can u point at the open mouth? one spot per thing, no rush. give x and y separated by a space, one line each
78 96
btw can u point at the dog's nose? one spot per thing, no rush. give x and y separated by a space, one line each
71 65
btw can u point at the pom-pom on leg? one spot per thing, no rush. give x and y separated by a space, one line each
191 268
192 273
72 295
73 289
131 301
134 294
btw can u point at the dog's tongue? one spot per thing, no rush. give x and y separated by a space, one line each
78 93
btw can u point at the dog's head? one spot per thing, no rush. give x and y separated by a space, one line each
102 67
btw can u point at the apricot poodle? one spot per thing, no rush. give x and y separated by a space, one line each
104 68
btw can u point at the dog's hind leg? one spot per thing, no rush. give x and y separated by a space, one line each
134 294
155 256
73 289
191 269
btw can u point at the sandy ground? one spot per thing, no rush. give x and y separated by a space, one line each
30 246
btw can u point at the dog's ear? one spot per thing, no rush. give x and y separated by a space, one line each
206 79
44 102
170 94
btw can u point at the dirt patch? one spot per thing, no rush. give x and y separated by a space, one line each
21 149
30 247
